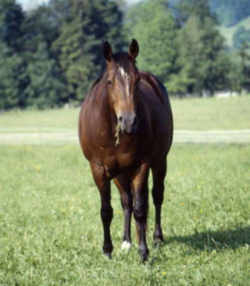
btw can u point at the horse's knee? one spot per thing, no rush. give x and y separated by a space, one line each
127 204
140 210
107 214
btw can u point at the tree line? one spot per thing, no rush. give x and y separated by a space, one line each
51 55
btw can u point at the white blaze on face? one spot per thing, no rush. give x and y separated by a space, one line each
125 77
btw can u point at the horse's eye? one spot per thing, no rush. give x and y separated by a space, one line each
109 82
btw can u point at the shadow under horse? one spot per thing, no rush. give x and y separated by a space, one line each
215 240
126 129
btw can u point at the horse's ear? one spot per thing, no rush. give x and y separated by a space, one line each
107 51
134 49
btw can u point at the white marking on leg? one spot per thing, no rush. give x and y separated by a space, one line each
126 245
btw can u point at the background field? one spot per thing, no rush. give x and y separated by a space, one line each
189 114
50 229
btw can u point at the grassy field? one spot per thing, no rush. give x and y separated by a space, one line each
51 234
189 114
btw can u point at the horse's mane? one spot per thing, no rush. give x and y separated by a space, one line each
96 81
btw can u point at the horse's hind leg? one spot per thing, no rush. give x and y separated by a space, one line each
103 185
123 184
159 172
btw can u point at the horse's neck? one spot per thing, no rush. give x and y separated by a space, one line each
102 103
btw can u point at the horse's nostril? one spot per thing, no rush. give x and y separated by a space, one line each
120 118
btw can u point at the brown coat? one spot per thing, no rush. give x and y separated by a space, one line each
126 129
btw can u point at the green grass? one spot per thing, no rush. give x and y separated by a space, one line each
212 113
51 234
35 120
189 114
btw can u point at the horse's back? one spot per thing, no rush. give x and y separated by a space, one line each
155 98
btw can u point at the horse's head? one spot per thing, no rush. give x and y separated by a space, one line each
121 79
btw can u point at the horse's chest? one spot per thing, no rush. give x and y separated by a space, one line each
115 163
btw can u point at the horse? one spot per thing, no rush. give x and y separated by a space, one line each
126 130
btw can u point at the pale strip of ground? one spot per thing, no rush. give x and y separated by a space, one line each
64 136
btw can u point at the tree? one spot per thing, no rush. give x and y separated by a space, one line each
241 37
45 87
12 66
40 24
11 20
204 64
12 77
197 8
79 45
154 27
245 67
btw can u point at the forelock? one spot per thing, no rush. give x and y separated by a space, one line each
123 62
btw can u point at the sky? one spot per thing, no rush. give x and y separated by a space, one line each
31 4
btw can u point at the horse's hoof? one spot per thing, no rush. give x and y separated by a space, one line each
108 255
158 238
158 241
126 245
144 254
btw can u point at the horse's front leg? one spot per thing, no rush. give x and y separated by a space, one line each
123 184
103 184
140 207
159 172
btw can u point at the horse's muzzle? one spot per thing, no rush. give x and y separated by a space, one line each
128 123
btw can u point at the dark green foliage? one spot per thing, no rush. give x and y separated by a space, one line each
81 35
51 55
189 59
40 25
11 19
245 67
45 88
11 77
12 66
204 63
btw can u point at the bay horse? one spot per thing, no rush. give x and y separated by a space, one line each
126 129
